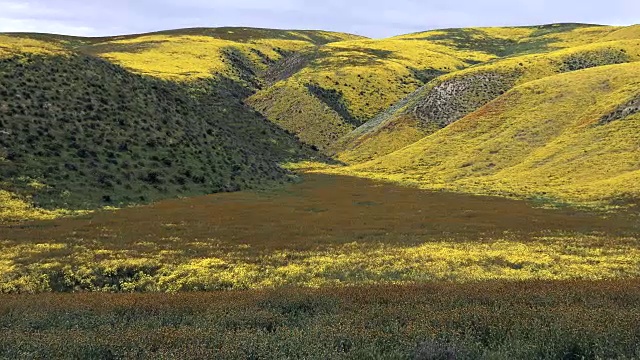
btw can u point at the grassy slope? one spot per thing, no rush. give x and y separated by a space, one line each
237 34
338 82
509 41
572 136
197 53
451 97
188 54
355 81
12 45
70 139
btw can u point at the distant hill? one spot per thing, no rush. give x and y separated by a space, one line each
451 97
188 54
236 34
346 84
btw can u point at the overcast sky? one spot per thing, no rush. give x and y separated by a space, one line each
373 18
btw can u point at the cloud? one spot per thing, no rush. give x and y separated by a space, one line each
375 18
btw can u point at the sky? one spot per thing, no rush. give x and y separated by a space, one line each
373 18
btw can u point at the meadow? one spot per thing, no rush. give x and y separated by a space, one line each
330 267
325 231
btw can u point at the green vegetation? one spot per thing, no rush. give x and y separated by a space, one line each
13 45
510 41
350 82
344 87
78 132
185 54
361 79
451 97
201 53
327 125
324 233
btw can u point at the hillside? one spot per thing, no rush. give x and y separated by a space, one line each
78 132
510 41
571 136
244 193
451 97
345 84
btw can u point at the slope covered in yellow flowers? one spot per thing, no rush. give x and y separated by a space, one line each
179 56
354 81
185 54
13 45
509 41
453 96
357 81
572 136
362 101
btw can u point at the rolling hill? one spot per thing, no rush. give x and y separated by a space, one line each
542 111
97 122
451 97
189 54
572 136
352 259
344 85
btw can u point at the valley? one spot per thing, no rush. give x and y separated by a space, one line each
251 193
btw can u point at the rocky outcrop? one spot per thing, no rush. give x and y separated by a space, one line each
288 66
629 108
457 97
